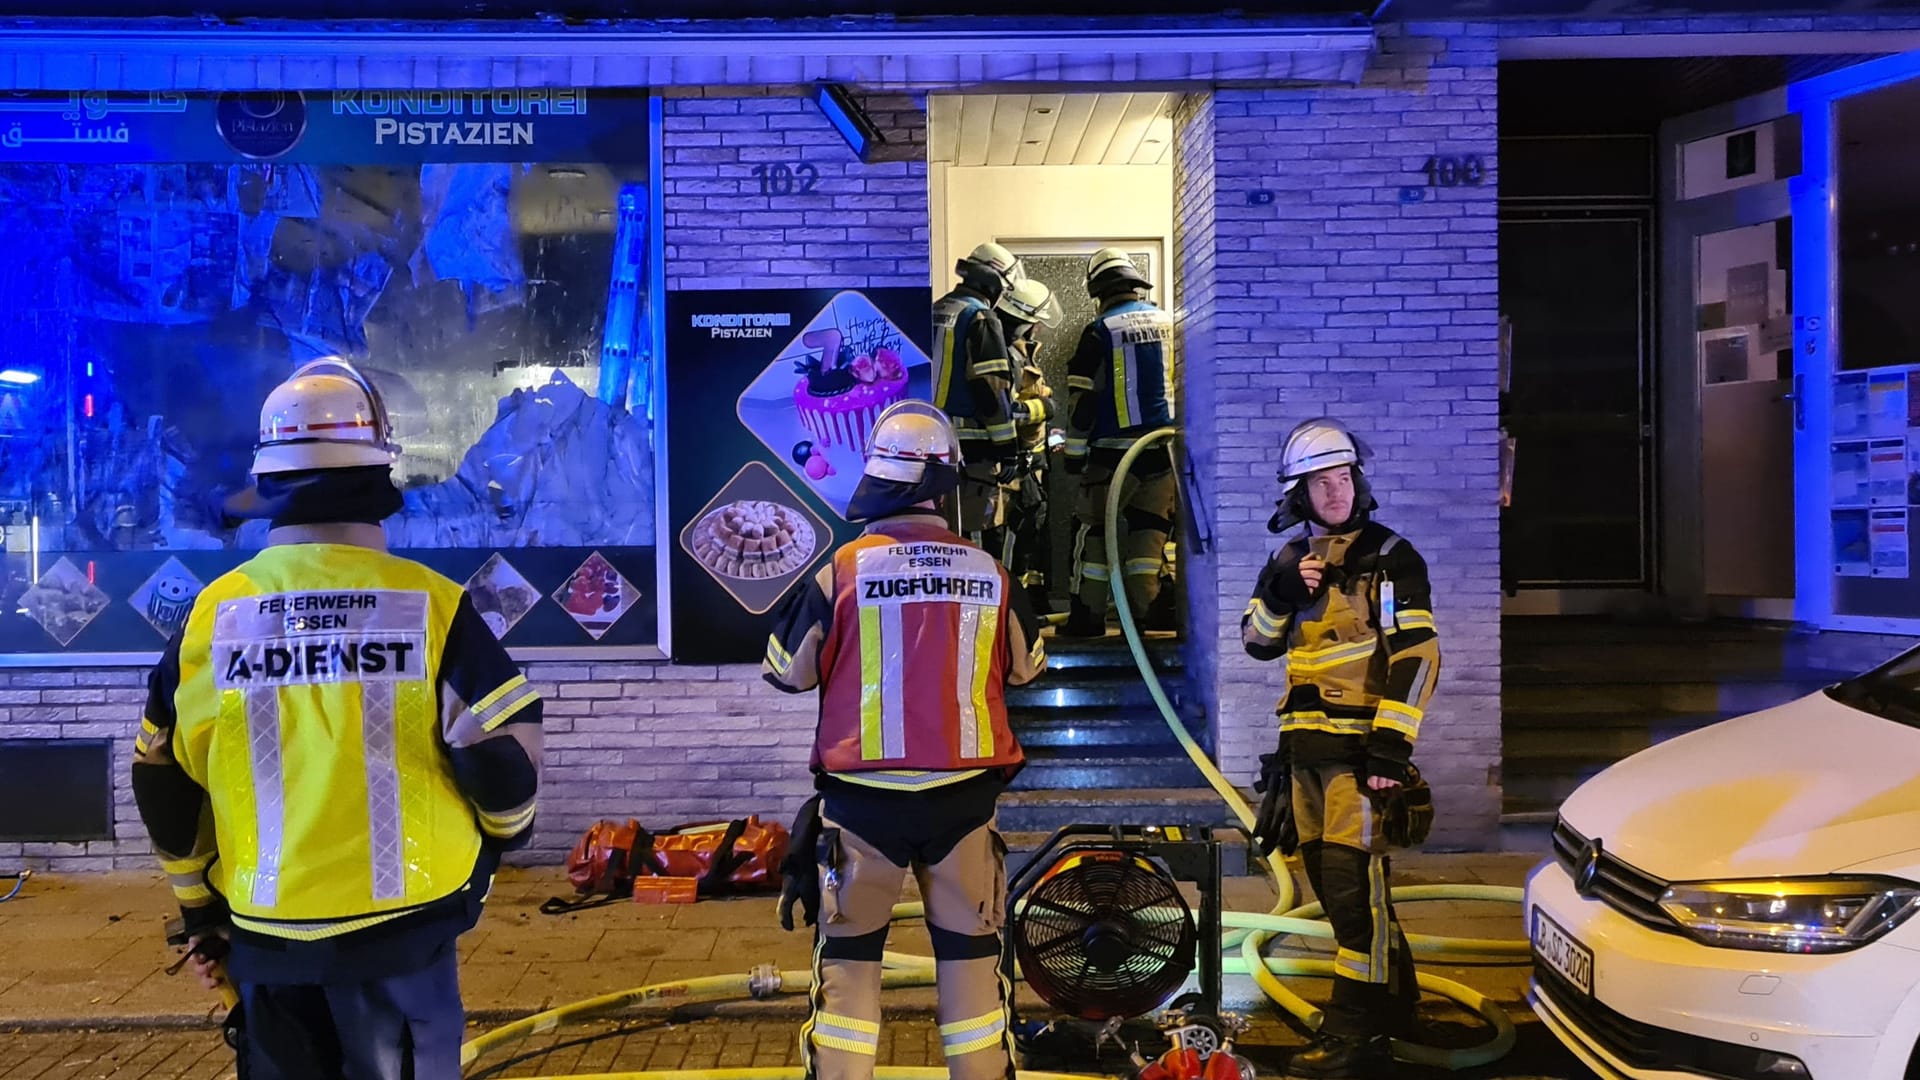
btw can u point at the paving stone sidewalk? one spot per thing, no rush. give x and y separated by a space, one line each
89 950
85 995
634 1045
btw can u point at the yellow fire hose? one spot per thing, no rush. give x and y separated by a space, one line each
1250 933
794 1072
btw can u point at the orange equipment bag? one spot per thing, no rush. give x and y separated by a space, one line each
722 857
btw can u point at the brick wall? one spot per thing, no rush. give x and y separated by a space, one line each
861 225
1338 297
1195 309
665 743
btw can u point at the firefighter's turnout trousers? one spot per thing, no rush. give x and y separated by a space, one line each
1345 852
1022 542
961 868
1146 518
981 502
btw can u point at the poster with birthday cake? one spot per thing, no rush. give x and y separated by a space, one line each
774 393
818 397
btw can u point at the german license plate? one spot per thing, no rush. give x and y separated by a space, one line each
1557 949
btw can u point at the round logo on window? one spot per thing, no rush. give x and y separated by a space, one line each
261 124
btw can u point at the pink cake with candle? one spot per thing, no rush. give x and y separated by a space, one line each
839 395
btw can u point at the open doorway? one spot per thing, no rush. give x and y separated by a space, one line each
1054 178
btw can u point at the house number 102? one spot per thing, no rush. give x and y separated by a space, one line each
781 179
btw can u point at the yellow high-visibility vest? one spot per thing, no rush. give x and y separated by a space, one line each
308 709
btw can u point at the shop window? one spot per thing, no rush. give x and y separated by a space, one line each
484 258
1874 423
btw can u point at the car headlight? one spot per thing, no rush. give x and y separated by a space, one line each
1804 915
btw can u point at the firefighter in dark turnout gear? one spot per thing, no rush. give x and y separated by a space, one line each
973 382
1349 606
1120 387
911 635
1022 543
335 751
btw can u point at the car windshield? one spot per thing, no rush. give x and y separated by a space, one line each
1891 691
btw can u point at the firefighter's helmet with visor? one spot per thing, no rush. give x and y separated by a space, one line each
913 456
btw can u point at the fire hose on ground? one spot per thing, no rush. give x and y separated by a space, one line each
1249 933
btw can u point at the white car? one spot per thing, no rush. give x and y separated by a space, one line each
1738 902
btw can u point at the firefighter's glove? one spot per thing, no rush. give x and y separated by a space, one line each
1285 589
1406 812
1274 827
800 870
1390 768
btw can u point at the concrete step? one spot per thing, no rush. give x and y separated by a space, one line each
1233 851
1111 654
1550 723
1669 668
1545 789
1094 689
1104 768
1529 832
1653 699
1650 651
1540 745
1062 730
1030 810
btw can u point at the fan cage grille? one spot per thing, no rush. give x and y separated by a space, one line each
1105 934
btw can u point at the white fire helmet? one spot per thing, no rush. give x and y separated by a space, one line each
327 416
908 437
1030 301
1111 262
1318 444
999 260
913 457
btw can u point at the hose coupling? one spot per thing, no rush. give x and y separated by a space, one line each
763 982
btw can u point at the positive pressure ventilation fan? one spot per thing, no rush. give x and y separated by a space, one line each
1100 927
1105 934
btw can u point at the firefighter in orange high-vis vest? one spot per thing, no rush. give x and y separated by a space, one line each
335 752
911 634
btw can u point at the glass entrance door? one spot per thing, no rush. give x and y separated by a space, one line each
1857 344
1728 408
1743 354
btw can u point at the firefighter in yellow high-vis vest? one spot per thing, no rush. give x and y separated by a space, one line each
1349 606
334 754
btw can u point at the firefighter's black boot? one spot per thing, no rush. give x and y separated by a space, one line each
1342 1057
1082 623
1040 600
1160 616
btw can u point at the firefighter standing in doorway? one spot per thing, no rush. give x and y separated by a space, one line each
1022 543
1349 606
1120 387
911 635
973 382
334 754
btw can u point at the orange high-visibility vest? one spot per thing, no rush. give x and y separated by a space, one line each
914 670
